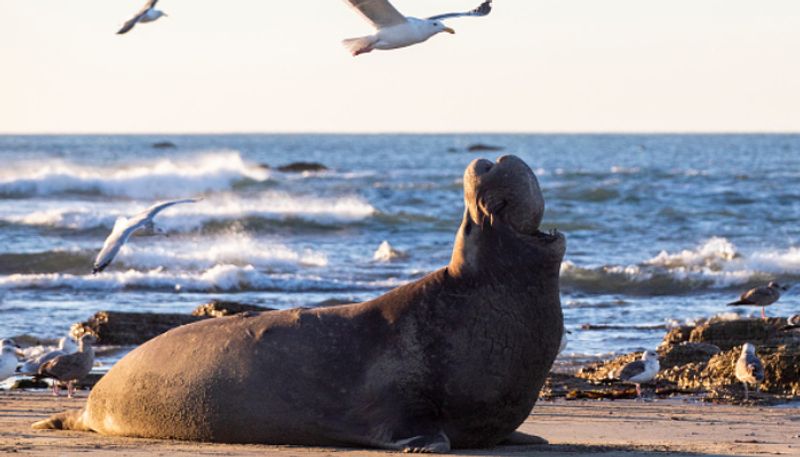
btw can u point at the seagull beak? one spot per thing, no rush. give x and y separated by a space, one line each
449 30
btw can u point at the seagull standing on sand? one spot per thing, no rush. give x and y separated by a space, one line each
148 13
393 30
749 369
761 296
8 359
31 366
124 228
640 371
70 368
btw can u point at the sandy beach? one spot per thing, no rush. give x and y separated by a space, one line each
573 428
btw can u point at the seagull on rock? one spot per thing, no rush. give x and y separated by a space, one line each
640 371
761 296
749 369
394 30
124 228
148 13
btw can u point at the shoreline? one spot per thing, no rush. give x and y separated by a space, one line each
574 428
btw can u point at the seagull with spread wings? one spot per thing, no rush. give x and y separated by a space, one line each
124 228
393 30
148 13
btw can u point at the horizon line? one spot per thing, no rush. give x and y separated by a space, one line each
400 133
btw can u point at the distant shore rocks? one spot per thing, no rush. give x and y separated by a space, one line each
482 147
164 145
297 167
477 147
300 167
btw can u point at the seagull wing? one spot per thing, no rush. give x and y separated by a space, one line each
129 25
151 212
67 367
379 13
761 296
484 9
123 229
631 370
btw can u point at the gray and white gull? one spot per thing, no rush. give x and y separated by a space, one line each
640 371
70 368
30 367
125 227
394 30
148 13
761 296
8 358
749 369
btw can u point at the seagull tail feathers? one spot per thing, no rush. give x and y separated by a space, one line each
738 303
68 420
360 45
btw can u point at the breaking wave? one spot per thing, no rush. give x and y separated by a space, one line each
220 278
163 178
222 211
715 264
188 254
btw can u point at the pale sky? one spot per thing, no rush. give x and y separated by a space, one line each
278 66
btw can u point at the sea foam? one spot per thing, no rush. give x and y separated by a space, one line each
716 263
221 208
162 178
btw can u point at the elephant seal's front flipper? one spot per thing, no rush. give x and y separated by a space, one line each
453 360
436 443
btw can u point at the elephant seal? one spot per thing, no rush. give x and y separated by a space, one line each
453 360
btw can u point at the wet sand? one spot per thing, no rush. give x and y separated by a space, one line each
574 428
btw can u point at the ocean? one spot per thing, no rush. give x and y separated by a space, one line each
661 229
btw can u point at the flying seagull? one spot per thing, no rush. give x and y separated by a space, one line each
640 371
761 296
749 369
393 30
124 228
148 13
70 368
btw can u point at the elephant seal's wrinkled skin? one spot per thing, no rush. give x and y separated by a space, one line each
455 359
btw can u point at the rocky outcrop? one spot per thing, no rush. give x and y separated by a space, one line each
299 167
700 359
164 145
127 329
480 147
221 308
684 353
727 334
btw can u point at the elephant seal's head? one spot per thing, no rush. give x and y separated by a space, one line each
501 198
